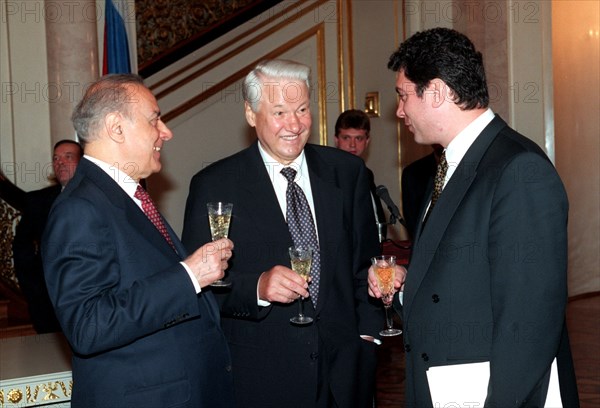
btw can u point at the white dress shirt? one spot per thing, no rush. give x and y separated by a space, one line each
457 148
280 183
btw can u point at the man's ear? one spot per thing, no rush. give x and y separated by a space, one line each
337 141
440 91
250 115
113 123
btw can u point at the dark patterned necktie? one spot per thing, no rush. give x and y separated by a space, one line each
302 227
152 213
438 183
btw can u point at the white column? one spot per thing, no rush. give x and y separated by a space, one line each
72 49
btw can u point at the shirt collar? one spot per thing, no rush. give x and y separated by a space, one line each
458 147
128 184
274 167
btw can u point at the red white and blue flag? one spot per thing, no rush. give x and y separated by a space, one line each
116 56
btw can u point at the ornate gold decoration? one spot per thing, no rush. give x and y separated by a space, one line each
8 220
33 394
156 20
14 395
372 104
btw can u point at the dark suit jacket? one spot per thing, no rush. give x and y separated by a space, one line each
28 258
376 199
488 276
141 336
416 178
275 363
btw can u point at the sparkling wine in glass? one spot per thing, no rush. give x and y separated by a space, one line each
384 266
301 259
219 217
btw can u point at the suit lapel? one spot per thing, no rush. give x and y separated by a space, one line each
327 198
133 213
256 188
429 236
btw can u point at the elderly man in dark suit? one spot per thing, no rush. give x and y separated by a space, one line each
131 302
331 362
26 245
487 281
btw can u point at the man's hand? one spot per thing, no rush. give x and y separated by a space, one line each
209 262
398 281
281 284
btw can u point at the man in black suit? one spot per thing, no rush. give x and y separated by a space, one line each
331 362
28 236
132 303
353 135
487 280
416 177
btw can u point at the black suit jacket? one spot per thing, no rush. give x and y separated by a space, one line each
416 179
487 279
28 258
277 364
140 334
378 207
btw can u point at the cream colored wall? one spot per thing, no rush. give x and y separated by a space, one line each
25 147
576 56
48 55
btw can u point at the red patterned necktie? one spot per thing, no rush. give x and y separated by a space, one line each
152 213
302 228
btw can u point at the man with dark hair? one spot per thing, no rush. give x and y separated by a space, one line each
487 281
353 134
28 236
132 303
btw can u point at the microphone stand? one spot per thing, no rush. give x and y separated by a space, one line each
393 220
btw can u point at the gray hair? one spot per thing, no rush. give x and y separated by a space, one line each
272 69
110 93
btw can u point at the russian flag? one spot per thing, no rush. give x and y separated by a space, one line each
116 58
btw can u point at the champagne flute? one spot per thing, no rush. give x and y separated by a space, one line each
301 259
219 217
385 273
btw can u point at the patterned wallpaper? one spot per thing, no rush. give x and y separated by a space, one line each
165 27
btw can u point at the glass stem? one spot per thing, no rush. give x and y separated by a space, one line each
388 317
300 307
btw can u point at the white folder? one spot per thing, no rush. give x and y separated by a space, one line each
465 385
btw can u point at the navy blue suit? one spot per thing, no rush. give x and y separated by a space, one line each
140 334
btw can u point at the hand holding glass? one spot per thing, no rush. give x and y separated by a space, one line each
384 268
219 217
301 259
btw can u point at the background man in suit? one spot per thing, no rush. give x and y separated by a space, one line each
487 279
131 302
352 134
416 177
28 236
330 363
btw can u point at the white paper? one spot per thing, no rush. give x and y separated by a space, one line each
465 385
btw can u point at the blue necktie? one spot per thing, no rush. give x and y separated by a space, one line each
302 228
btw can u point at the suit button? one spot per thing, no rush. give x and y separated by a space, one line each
228 368
425 357
314 355
435 298
407 348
